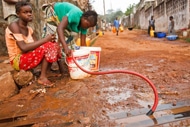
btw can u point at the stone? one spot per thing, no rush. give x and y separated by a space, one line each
22 77
8 88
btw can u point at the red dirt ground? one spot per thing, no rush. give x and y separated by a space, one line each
89 102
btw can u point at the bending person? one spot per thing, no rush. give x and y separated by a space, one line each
63 18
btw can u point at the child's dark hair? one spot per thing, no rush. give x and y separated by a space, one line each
91 17
171 17
20 4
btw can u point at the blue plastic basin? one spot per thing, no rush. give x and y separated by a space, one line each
161 34
171 37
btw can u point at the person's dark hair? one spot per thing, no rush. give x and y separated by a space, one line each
20 4
171 17
91 16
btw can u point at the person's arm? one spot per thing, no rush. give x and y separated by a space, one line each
25 47
83 39
60 30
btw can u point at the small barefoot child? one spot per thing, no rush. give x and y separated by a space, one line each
25 51
171 30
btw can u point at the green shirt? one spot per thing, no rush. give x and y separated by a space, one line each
73 14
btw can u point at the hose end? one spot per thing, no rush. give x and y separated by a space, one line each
149 113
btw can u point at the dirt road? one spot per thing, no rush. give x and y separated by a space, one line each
93 101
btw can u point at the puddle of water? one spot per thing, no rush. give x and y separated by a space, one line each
110 89
115 95
146 104
119 97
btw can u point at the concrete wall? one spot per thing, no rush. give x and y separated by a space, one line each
161 10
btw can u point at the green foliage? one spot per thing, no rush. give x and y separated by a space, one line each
110 11
188 40
112 15
129 9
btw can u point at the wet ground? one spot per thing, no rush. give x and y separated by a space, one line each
112 100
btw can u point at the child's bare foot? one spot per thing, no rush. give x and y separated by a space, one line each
53 74
45 82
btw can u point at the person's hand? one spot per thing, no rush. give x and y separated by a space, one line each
51 37
67 51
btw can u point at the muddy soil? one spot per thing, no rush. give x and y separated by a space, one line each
91 101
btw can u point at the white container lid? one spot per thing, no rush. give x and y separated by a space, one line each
81 52
91 48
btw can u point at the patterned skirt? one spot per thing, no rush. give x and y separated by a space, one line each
49 51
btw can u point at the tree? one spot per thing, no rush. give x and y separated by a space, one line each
112 15
110 11
129 9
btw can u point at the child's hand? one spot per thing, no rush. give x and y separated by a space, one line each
51 37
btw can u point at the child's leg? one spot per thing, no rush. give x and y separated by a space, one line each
148 30
43 80
44 68
61 67
47 53
52 72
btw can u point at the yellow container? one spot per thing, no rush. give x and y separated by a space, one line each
151 32
100 33
121 28
78 43
113 30
87 41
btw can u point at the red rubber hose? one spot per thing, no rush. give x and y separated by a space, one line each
127 72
